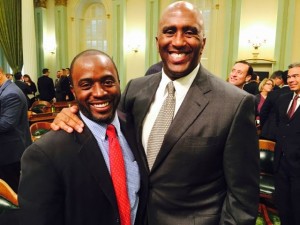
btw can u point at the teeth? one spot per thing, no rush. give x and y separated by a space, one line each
101 105
177 55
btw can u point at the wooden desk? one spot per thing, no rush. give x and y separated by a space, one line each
45 117
48 115
60 105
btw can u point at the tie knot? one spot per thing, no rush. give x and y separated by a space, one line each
171 88
111 131
296 97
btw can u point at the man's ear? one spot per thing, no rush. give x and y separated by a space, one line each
248 77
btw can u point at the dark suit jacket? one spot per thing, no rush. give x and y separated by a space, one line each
14 126
46 88
268 113
251 87
207 170
65 180
155 68
288 140
62 88
25 88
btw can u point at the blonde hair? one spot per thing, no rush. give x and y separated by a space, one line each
263 82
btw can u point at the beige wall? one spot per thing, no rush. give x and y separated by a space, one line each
225 28
135 36
296 35
258 23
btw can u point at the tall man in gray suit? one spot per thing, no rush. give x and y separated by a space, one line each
207 168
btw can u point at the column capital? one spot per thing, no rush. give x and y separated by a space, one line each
40 3
61 2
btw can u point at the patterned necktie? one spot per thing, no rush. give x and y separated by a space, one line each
293 107
161 125
118 175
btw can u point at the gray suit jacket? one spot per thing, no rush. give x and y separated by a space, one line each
207 171
14 126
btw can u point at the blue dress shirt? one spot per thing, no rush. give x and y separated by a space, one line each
131 166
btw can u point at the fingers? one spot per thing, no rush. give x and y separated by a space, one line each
67 120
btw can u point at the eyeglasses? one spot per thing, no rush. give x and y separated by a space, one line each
293 76
268 84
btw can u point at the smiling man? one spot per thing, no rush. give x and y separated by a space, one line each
287 150
69 179
240 74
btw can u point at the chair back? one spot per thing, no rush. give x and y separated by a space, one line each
38 129
266 149
40 106
8 198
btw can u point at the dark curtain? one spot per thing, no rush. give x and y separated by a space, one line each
11 33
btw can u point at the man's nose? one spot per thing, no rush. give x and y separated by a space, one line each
98 90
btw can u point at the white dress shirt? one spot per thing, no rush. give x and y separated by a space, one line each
181 85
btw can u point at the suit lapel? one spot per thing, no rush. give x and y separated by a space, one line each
93 160
288 99
195 101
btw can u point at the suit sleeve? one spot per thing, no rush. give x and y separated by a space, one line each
10 112
40 190
241 168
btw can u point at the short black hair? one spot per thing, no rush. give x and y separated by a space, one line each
45 70
90 52
284 76
277 73
250 69
18 75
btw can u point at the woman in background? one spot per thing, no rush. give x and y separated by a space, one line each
265 86
32 87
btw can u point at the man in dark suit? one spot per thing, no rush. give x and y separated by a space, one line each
46 86
268 111
70 95
207 168
67 178
14 130
287 151
24 87
155 68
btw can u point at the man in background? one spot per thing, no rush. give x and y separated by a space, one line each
287 151
14 130
70 95
10 76
46 87
268 111
251 86
155 68
23 86
277 78
240 74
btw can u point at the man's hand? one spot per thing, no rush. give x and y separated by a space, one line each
67 120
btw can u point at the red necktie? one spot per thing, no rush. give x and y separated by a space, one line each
118 175
293 107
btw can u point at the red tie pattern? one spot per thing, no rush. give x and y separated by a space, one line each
118 175
293 107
